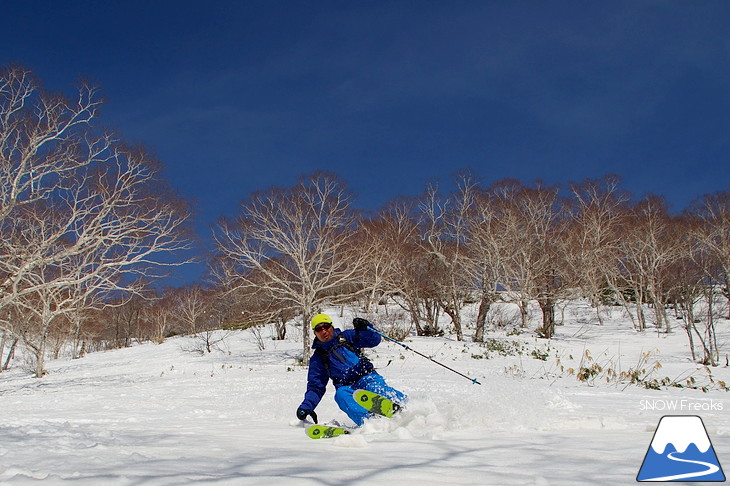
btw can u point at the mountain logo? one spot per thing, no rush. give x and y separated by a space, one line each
680 451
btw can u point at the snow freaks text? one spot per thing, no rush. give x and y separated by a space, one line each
681 405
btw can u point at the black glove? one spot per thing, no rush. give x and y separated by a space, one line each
361 324
302 414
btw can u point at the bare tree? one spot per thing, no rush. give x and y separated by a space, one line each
80 331
400 265
530 222
81 214
161 314
40 145
713 211
43 309
445 233
292 243
191 307
593 237
514 251
376 235
545 212
489 249
708 221
649 247
689 281
204 315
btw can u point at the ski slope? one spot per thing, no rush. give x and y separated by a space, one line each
159 414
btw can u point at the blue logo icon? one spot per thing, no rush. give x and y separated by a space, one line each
681 451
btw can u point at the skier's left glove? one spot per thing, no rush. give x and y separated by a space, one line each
302 414
361 324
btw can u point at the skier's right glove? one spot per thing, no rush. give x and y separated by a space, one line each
302 414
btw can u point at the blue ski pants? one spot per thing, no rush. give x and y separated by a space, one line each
372 382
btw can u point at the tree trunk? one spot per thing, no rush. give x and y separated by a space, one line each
686 308
40 358
411 306
308 312
596 303
11 355
484 305
547 305
432 316
306 346
660 311
281 328
709 358
455 316
688 329
640 312
2 346
711 334
524 314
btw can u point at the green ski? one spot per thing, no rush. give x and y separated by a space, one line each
325 431
375 403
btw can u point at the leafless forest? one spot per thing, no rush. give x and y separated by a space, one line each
89 226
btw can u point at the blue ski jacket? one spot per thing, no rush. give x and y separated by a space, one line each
341 360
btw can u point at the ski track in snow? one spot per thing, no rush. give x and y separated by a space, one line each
159 415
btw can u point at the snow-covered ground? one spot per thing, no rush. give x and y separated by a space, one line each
158 414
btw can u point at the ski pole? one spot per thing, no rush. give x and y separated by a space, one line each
473 380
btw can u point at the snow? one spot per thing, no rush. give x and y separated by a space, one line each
159 414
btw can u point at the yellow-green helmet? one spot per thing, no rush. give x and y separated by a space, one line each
319 319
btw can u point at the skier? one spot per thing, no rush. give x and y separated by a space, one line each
338 356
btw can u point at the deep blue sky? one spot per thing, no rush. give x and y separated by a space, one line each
240 96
